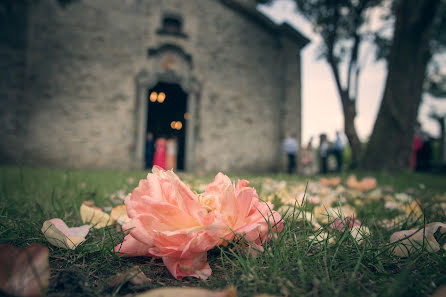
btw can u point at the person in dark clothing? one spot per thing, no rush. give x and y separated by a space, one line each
424 154
290 147
338 150
149 150
323 152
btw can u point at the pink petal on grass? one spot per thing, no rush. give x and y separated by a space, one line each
132 248
59 234
25 271
197 266
345 223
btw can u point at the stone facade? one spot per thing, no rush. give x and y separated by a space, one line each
74 82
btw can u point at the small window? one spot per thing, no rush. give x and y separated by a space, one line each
172 25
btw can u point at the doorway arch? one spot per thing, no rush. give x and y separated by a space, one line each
146 82
167 117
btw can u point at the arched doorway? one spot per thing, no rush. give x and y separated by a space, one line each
167 116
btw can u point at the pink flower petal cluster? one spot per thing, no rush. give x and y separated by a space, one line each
241 211
171 222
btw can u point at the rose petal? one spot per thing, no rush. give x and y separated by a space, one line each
119 214
196 266
188 292
59 234
94 217
132 248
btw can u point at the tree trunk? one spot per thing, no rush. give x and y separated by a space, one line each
349 109
391 141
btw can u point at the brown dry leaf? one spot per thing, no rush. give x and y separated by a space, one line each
119 214
25 271
94 216
59 234
334 181
188 292
411 240
134 276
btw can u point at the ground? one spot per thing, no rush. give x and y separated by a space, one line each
294 264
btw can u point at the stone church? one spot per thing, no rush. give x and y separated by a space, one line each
82 82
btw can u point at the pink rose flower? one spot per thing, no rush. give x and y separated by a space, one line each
168 221
241 211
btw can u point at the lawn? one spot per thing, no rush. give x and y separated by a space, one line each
308 258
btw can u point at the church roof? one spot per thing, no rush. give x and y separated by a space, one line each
253 14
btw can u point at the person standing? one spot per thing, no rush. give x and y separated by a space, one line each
159 158
149 150
307 158
323 152
417 144
290 148
171 154
338 150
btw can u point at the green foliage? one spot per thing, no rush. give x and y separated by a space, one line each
338 22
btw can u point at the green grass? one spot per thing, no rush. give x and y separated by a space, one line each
292 265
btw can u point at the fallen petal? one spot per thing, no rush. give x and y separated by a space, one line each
25 271
188 292
59 234
94 216
412 240
334 181
345 223
119 214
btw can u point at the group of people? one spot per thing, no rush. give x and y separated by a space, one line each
308 158
161 152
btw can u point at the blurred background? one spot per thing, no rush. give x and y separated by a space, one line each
215 85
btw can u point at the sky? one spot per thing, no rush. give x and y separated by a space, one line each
318 86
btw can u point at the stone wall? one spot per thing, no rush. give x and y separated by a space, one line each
13 29
82 61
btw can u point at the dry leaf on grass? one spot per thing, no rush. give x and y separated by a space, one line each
134 276
119 214
334 181
94 216
409 241
188 292
366 184
59 234
25 271
413 209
